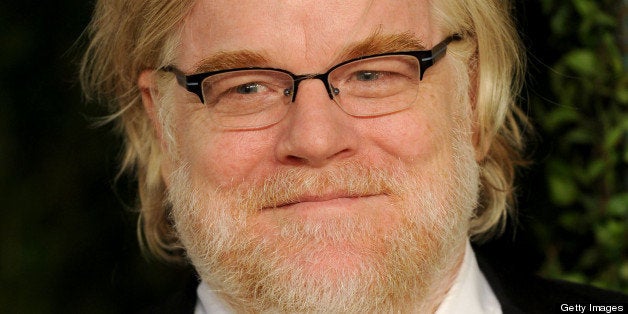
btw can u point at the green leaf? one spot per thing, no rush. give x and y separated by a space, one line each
622 94
579 136
582 61
618 205
615 136
563 190
559 21
623 271
585 7
604 20
594 170
559 117
610 234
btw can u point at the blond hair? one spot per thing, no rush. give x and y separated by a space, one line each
496 68
127 37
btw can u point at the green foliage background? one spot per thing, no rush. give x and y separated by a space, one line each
585 118
67 241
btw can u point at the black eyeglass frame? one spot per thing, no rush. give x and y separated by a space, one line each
426 58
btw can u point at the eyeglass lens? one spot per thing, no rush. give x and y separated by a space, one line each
367 87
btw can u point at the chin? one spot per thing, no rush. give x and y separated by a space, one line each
354 238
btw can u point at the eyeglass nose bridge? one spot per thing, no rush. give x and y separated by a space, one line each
324 77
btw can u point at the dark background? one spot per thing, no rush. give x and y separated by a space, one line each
67 227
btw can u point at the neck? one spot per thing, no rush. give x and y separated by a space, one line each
448 277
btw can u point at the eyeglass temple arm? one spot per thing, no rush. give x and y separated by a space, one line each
193 87
437 53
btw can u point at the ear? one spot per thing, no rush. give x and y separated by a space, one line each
479 135
479 138
148 89
480 142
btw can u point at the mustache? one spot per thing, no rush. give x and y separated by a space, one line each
289 186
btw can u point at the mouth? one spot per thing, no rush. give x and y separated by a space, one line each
329 199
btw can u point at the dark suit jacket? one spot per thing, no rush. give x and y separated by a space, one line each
517 293
524 293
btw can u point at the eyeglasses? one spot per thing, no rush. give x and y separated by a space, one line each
246 98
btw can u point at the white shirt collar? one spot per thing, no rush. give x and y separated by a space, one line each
207 302
470 293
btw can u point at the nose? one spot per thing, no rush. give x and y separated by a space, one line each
316 131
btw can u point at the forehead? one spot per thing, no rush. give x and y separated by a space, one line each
304 34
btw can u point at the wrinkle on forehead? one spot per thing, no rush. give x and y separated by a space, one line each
303 36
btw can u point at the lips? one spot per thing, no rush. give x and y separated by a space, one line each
323 198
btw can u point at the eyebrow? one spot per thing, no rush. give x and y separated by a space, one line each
376 43
230 60
382 43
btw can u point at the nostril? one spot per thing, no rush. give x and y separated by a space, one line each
295 160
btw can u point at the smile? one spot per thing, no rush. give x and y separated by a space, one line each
331 200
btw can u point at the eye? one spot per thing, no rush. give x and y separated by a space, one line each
249 88
366 76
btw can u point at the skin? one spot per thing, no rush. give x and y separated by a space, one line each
315 133
308 37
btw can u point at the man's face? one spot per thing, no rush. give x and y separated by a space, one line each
322 208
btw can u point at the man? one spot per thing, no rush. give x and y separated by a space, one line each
320 156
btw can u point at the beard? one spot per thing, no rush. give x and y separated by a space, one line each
259 257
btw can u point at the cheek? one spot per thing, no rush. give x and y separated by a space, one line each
229 159
221 158
419 134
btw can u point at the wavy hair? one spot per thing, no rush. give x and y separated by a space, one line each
128 37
